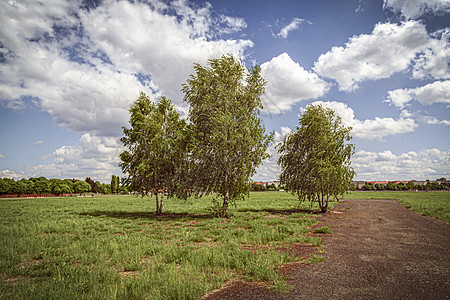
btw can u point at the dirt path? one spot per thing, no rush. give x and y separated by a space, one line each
378 250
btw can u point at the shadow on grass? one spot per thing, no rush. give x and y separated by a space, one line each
310 211
147 215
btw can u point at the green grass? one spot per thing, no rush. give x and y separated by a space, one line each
115 247
323 229
433 204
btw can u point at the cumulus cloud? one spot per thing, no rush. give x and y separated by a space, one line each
138 39
418 165
11 174
434 121
96 157
433 62
294 25
436 92
390 48
289 83
413 9
370 129
269 169
85 66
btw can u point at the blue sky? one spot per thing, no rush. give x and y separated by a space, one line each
70 69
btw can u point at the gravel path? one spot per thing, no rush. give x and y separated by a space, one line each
378 250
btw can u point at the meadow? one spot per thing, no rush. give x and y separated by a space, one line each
115 247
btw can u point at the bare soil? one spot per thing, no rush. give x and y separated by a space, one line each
377 250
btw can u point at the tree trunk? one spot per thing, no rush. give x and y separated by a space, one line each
157 202
161 203
225 204
326 204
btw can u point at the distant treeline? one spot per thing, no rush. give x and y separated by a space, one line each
438 185
44 186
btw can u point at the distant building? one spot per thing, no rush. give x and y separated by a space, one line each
276 183
378 182
397 182
359 184
419 182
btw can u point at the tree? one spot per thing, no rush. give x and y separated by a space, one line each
81 187
115 183
315 159
61 188
368 187
228 139
106 188
99 188
42 185
156 154
7 186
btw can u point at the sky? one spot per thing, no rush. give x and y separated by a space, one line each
69 71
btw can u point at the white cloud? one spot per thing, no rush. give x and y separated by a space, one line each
436 92
86 78
232 24
385 165
138 39
2 156
370 129
390 48
38 142
434 121
96 157
294 25
269 170
413 9
420 165
289 83
11 174
433 62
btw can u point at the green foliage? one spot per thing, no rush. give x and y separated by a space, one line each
81 187
228 139
155 159
315 159
41 185
111 247
323 229
115 183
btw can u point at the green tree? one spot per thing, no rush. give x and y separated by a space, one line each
42 185
106 188
81 187
61 188
115 183
380 187
91 183
368 187
391 186
315 159
7 186
228 139
155 159
98 187
20 187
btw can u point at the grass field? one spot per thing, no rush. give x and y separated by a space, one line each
433 204
115 247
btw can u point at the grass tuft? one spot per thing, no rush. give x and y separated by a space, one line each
323 229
